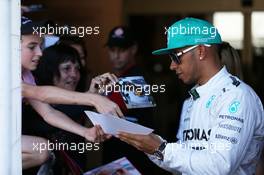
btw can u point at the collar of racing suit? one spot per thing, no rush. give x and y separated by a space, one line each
198 91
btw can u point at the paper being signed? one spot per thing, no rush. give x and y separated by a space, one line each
112 124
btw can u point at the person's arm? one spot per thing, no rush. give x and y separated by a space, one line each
62 121
55 95
226 148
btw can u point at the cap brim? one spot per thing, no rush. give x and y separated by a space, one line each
29 28
162 51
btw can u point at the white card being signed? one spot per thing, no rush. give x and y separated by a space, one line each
112 124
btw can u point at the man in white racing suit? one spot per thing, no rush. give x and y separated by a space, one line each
221 128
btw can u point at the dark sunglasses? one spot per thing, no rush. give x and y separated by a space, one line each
175 56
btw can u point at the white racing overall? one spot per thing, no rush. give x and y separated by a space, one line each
221 130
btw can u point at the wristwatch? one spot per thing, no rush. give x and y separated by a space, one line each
159 152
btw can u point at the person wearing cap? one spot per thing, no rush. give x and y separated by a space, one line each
38 97
122 50
51 94
221 128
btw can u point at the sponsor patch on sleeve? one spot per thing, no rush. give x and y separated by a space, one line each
234 107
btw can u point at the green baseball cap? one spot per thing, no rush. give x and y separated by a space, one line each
188 32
